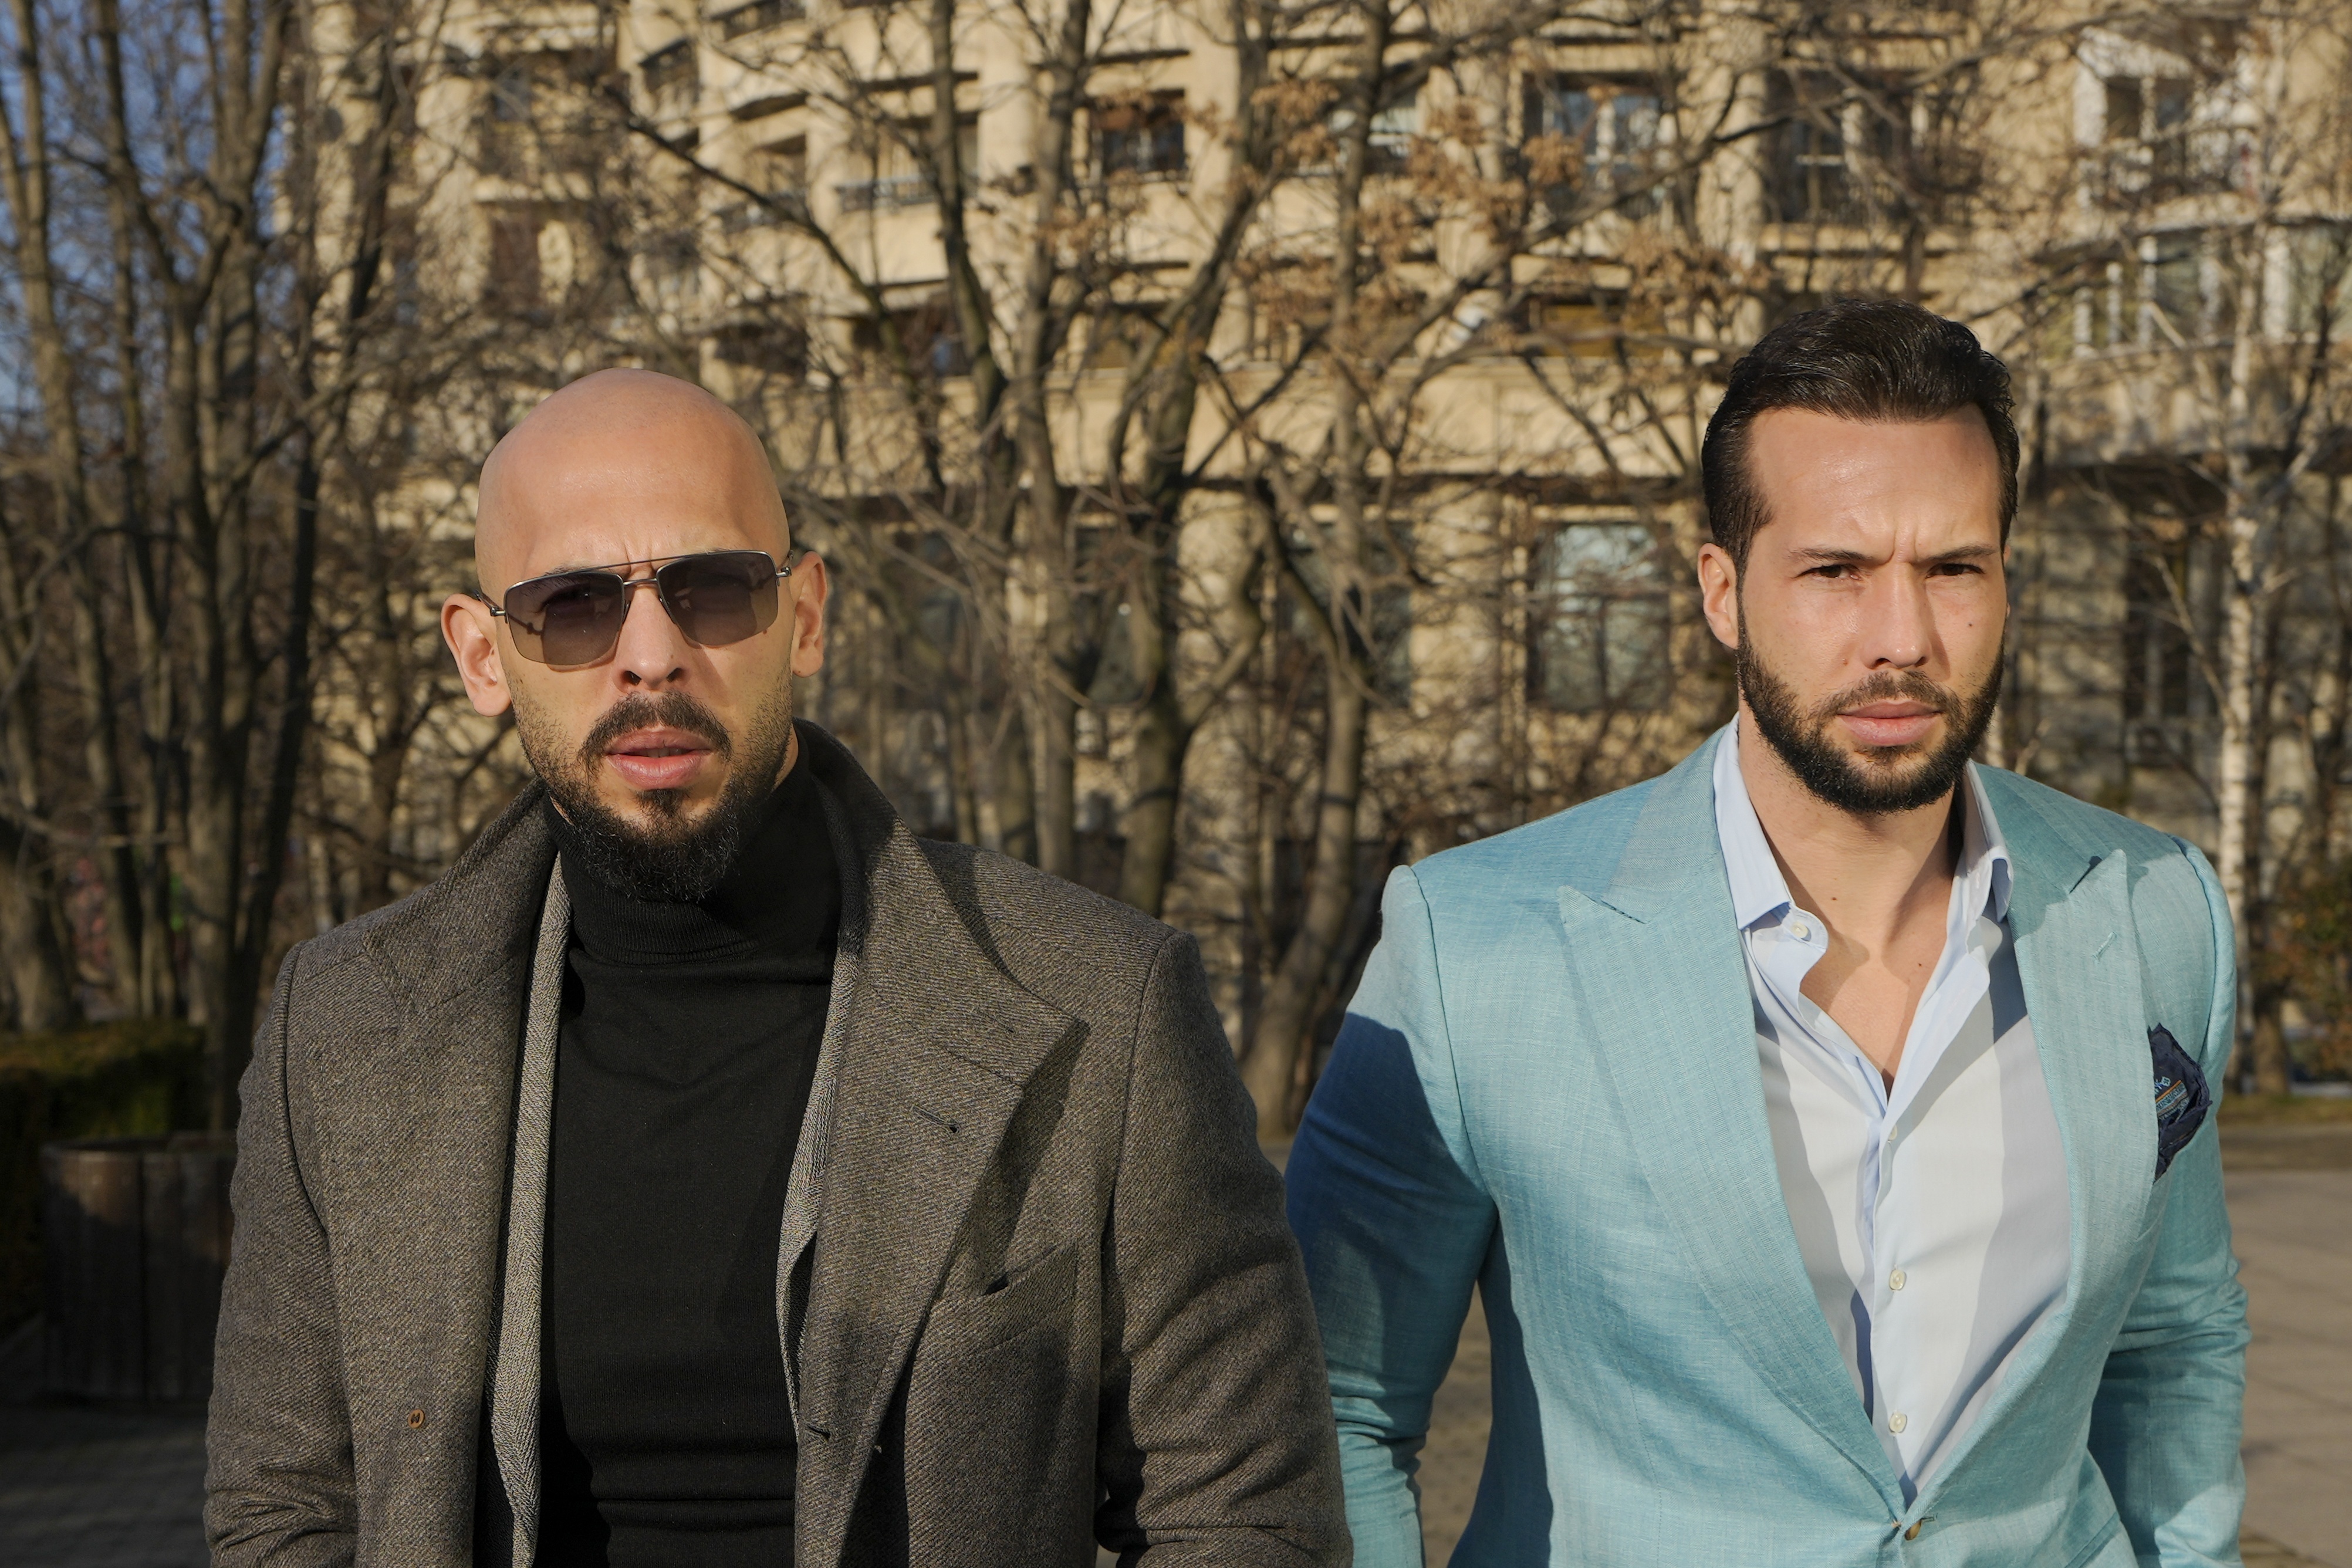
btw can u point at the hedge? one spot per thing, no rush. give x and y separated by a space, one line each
142 1076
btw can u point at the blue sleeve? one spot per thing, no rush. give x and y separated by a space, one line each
2166 1425
1393 1221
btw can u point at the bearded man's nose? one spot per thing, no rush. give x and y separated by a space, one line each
652 651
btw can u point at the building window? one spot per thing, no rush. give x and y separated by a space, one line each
1389 148
901 177
1832 135
776 348
1601 620
926 334
779 172
2159 672
514 282
1140 136
673 270
2156 291
2150 143
1594 325
511 94
2320 280
1376 618
759 17
2176 283
673 76
1615 128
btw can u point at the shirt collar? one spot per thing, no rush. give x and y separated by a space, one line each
1758 892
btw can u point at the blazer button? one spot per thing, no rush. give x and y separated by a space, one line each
415 1420
1913 1533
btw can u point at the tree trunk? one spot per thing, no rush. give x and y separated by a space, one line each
160 992
39 979
2236 797
1271 1068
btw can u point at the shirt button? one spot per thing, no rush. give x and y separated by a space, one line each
1896 1280
1799 930
1896 1422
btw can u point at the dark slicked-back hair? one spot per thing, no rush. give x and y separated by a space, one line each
1870 360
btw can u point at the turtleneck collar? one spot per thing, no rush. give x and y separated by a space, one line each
783 894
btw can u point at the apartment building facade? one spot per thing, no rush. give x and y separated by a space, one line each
1516 248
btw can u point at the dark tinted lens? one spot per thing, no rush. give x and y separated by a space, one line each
722 597
571 618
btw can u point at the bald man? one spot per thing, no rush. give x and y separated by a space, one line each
708 1171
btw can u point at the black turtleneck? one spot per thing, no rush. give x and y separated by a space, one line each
688 1043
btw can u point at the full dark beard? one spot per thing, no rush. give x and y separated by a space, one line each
662 857
1883 779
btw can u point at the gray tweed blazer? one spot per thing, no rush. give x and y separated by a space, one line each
1034 1288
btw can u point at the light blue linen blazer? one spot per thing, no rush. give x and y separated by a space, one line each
1548 1085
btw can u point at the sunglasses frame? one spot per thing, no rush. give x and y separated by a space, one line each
658 563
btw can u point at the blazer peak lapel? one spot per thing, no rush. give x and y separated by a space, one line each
2078 960
1680 1062
933 1048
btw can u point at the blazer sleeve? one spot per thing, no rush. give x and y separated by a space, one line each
1395 1223
2166 1424
278 1482
1215 1441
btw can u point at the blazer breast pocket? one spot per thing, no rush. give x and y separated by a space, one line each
1041 1295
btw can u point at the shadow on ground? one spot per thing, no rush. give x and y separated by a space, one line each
94 1486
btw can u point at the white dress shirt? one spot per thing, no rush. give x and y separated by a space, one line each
1932 1217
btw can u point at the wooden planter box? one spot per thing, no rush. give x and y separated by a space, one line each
135 1235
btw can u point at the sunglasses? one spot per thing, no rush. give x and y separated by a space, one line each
575 618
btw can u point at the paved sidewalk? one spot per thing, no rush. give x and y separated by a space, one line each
90 1487
2295 1245
87 1487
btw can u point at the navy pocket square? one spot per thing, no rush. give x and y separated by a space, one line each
2181 1098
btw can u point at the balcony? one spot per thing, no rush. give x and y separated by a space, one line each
759 17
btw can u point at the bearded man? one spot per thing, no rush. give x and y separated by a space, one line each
706 1171
1819 1121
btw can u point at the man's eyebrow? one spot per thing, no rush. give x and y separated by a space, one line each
1826 556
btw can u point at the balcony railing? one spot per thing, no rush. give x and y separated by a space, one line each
781 207
892 194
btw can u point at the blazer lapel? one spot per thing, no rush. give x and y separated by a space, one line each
514 1378
2078 960
929 1045
1682 1067
453 1062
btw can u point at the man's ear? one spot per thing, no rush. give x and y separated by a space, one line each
471 632
1719 593
809 588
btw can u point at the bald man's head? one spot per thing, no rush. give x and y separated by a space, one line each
611 444
659 748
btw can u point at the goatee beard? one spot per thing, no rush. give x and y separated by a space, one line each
1882 780
661 858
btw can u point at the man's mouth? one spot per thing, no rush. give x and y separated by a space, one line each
659 757
1890 723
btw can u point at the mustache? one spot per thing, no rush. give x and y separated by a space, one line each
638 711
1890 685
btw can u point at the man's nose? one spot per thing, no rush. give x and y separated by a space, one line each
652 651
1899 629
